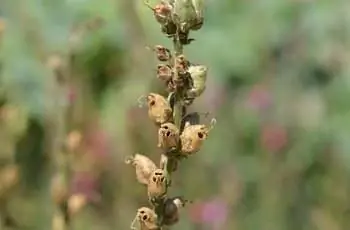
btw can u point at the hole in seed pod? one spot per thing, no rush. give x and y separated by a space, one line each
154 179
145 217
152 103
142 212
168 133
165 127
200 135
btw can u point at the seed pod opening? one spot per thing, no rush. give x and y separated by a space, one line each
168 137
147 219
143 166
193 136
157 185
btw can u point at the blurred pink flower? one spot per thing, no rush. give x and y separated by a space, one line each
195 212
98 143
214 213
87 184
273 137
259 98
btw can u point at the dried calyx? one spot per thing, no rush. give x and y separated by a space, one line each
179 135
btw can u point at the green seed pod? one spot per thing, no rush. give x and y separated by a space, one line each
199 76
188 14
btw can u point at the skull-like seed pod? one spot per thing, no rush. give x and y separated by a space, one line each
143 166
164 72
198 75
147 219
171 208
159 110
193 136
157 185
168 137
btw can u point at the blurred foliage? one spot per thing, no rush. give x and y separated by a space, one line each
279 87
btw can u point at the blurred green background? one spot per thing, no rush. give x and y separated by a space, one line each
278 85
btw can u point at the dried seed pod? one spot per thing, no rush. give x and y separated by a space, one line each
164 72
147 219
162 11
143 166
159 110
162 53
198 75
168 137
193 137
157 185
171 208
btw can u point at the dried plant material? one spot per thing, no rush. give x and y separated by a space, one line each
193 136
164 72
159 110
59 192
163 54
162 11
168 137
171 209
157 185
198 75
76 203
147 219
144 167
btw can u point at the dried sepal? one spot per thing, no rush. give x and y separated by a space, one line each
159 110
171 208
193 136
157 185
147 219
198 75
143 166
168 137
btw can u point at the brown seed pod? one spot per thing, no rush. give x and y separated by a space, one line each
164 72
168 137
147 219
162 11
193 137
143 166
159 110
163 54
171 208
157 185
182 64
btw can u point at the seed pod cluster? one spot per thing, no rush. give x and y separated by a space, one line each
179 134
178 17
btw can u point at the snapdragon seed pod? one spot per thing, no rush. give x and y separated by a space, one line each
162 11
198 75
157 185
193 136
147 219
164 72
159 110
171 208
144 167
168 137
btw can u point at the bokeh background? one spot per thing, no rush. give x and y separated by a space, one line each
278 85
